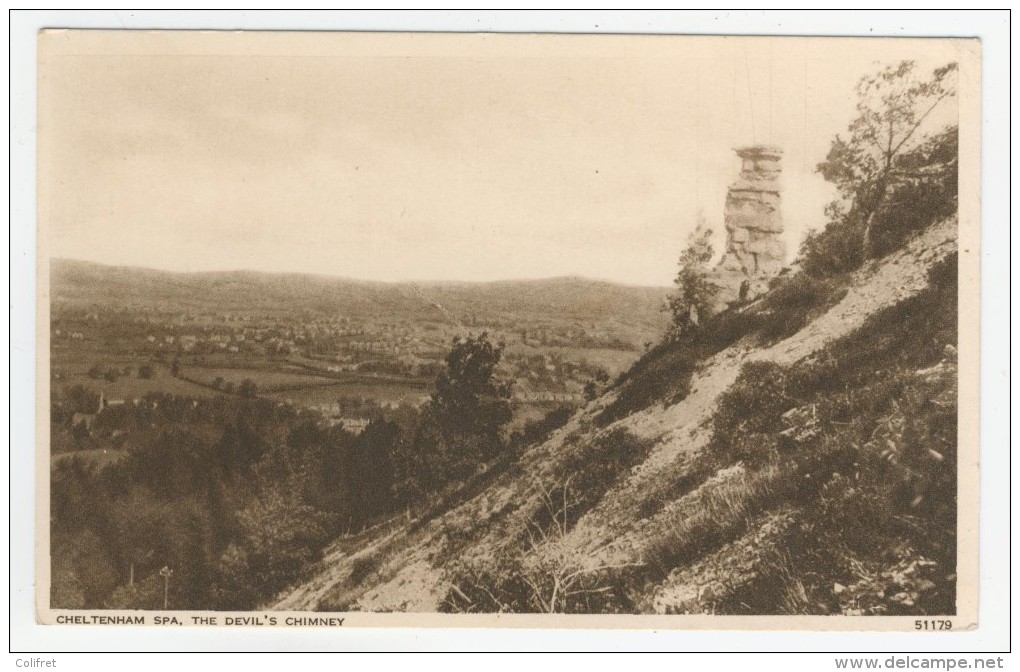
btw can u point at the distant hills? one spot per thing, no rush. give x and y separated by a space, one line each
81 283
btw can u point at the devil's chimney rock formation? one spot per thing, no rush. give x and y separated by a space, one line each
754 250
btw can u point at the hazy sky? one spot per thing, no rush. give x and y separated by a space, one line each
428 157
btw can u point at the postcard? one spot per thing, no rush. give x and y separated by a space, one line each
347 329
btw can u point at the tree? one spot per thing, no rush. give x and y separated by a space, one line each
80 435
892 107
81 399
172 460
468 397
460 428
280 536
594 387
371 469
247 388
693 296
145 371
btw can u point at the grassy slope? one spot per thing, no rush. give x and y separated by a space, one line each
652 513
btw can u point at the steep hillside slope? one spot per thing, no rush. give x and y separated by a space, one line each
721 478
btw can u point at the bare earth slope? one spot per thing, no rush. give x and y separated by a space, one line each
401 566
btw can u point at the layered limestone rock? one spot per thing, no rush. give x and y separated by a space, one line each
755 250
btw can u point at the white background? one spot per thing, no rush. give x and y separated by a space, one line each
995 597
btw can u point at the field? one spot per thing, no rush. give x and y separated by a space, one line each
265 379
99 457
70 366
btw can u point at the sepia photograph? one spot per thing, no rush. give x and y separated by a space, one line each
457 330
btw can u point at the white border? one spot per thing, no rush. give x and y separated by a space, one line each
993 635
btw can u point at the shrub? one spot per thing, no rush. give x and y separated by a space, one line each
747 418
362 567
720 512
280 539
836 249
791 305
683 477
537 570
664 373
537 431
912 333
594 470
459 430
247 388
545 575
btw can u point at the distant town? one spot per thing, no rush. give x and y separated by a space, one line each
347 367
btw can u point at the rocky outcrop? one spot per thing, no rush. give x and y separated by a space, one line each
754 250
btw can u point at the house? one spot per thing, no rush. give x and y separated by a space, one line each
352 425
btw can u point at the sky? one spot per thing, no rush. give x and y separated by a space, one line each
428 157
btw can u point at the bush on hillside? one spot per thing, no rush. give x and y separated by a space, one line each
663 374
836 249
537 431
460 429
746 422
793 303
